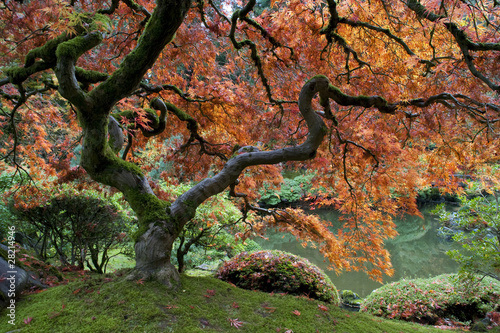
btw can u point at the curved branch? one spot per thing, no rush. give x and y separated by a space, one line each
159 31
67 53
384 106
461 38
240 15
184 207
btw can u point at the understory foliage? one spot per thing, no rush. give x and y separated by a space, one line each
278 272
38 269
291 190
427 300
408 99
74 226
7 218
476 226
214 234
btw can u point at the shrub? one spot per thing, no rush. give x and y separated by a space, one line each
276 271
292 190
77 226
427 300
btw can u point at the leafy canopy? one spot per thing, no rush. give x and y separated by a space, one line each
413 99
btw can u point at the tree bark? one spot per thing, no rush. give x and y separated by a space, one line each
152 254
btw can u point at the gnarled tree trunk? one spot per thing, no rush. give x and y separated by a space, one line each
159 224
152 254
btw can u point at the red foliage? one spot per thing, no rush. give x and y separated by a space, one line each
414 102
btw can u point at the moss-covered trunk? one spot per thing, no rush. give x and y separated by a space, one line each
152 254
157 230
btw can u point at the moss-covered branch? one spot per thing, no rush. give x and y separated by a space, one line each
159 31
67 54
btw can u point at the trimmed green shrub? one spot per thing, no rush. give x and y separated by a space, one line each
76 226
279 272
427 300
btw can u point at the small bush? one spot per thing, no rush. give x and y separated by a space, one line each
276 271
427 300
75 226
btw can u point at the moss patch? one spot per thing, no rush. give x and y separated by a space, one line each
203 304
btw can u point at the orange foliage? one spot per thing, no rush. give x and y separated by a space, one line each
372 163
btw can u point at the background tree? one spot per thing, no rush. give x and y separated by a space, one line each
476 227
401 77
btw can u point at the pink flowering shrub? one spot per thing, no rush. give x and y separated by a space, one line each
427 300
279 272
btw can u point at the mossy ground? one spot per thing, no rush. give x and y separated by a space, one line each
203 304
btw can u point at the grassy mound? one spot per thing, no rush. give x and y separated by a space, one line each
280 272
429 300
203 304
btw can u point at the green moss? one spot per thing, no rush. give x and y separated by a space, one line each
153 117
100 22
46 52
127 114
178 112
152 209
17 74
318 77
89 75
202 304
75 47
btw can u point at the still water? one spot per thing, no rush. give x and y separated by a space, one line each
417 251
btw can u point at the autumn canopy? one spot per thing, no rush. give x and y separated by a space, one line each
377 98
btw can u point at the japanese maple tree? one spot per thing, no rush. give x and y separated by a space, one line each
408 97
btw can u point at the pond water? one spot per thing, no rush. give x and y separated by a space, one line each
417 251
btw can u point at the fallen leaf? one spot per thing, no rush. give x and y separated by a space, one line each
322 307
235 323
269 309
296 312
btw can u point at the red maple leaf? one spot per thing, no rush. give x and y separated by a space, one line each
235 323
322 307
